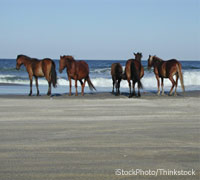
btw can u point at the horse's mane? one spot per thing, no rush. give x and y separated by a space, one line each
157 58
26 57
21 55
71 58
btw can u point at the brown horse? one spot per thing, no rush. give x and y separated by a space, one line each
166 69
38 68
134 71
116 73
76 70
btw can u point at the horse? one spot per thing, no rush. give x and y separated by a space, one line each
134 71
76 70
38 68
116 73
166 69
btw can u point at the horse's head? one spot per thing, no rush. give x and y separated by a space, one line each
19 61
138 56
150 61
61 64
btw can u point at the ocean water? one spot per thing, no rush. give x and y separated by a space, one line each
17 82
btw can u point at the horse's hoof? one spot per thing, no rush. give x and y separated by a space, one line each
30 94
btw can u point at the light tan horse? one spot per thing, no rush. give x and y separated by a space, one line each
166 69
38 68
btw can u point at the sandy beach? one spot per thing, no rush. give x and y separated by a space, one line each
71 138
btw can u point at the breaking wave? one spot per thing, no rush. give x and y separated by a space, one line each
191 78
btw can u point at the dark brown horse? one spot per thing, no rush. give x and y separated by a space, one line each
76 70
116 73
38 68
134 71
166 69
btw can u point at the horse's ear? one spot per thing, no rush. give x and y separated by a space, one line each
134 54
60 56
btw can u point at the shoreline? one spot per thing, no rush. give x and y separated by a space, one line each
104 95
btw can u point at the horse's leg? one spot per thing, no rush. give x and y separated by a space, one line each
139 95
49 89
48 78
76 87
158 83
173 84
118 84
117 87
113 84
83 86
31 81
70 86
134 88
129 83
176 85
162 85
36 83
82 90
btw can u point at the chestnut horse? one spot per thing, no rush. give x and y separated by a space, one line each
166 69
134 71
116 73
38 68
76 70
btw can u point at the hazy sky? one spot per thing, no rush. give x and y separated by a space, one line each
100 29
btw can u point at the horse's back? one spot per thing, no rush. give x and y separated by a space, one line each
128 68
82 69
42 67
47 64
169 67
137 67
116 70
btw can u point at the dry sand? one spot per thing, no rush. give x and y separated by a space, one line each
73 138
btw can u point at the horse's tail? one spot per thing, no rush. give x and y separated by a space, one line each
180 76
53 74
135 74
91 86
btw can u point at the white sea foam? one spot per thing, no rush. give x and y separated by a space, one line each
191 78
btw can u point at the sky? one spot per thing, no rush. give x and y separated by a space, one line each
100 29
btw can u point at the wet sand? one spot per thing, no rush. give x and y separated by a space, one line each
71 138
